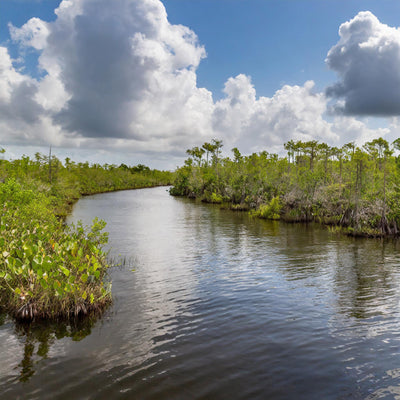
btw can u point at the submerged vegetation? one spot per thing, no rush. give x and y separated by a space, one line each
47 269
355 189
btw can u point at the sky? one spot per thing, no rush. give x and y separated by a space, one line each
142 81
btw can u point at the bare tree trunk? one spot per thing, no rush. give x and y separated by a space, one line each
50 165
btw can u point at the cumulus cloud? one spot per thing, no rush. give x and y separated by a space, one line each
118 65
33 34
18 109
119 71
294 112
9 77
119 76
354 130
367 60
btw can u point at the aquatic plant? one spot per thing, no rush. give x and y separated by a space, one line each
48 270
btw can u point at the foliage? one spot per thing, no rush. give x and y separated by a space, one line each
271 210
355 188
213 198
49 270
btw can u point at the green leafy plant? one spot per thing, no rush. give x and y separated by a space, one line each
271 210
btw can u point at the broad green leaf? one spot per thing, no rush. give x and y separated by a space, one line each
43 284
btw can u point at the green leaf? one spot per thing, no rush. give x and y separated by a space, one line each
84 277
43 284
18 262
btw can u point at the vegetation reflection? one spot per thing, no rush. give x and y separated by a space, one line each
39 337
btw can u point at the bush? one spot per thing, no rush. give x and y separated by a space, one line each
47 270
271 210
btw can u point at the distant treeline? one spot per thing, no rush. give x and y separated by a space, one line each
66 181
355 189
49 270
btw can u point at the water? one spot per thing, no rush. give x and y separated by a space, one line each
219 306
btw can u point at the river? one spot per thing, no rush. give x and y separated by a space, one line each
211 304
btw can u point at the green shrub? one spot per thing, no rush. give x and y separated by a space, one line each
47 270
271 210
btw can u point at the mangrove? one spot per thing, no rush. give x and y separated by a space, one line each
49 270
354 189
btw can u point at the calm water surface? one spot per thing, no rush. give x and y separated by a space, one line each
219 307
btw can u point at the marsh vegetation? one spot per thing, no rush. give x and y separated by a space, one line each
354 189
49 270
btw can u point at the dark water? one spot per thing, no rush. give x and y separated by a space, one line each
219 307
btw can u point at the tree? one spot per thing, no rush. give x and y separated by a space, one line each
349 149
196 153
290 147
311 147
236 154
378 149
326 151
208 148
140 168
217 146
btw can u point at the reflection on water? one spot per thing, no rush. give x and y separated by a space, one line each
36 339
220 306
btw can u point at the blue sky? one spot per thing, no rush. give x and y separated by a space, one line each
262 52
276 42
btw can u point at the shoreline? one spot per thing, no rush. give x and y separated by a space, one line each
49 270
326 221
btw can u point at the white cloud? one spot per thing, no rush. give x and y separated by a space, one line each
32 34
129 73
120 71
294 112
351 129
19 112
9 77
367 59
118 76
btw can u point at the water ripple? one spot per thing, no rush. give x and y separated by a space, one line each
221 306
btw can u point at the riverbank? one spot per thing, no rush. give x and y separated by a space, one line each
354 190
49 270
